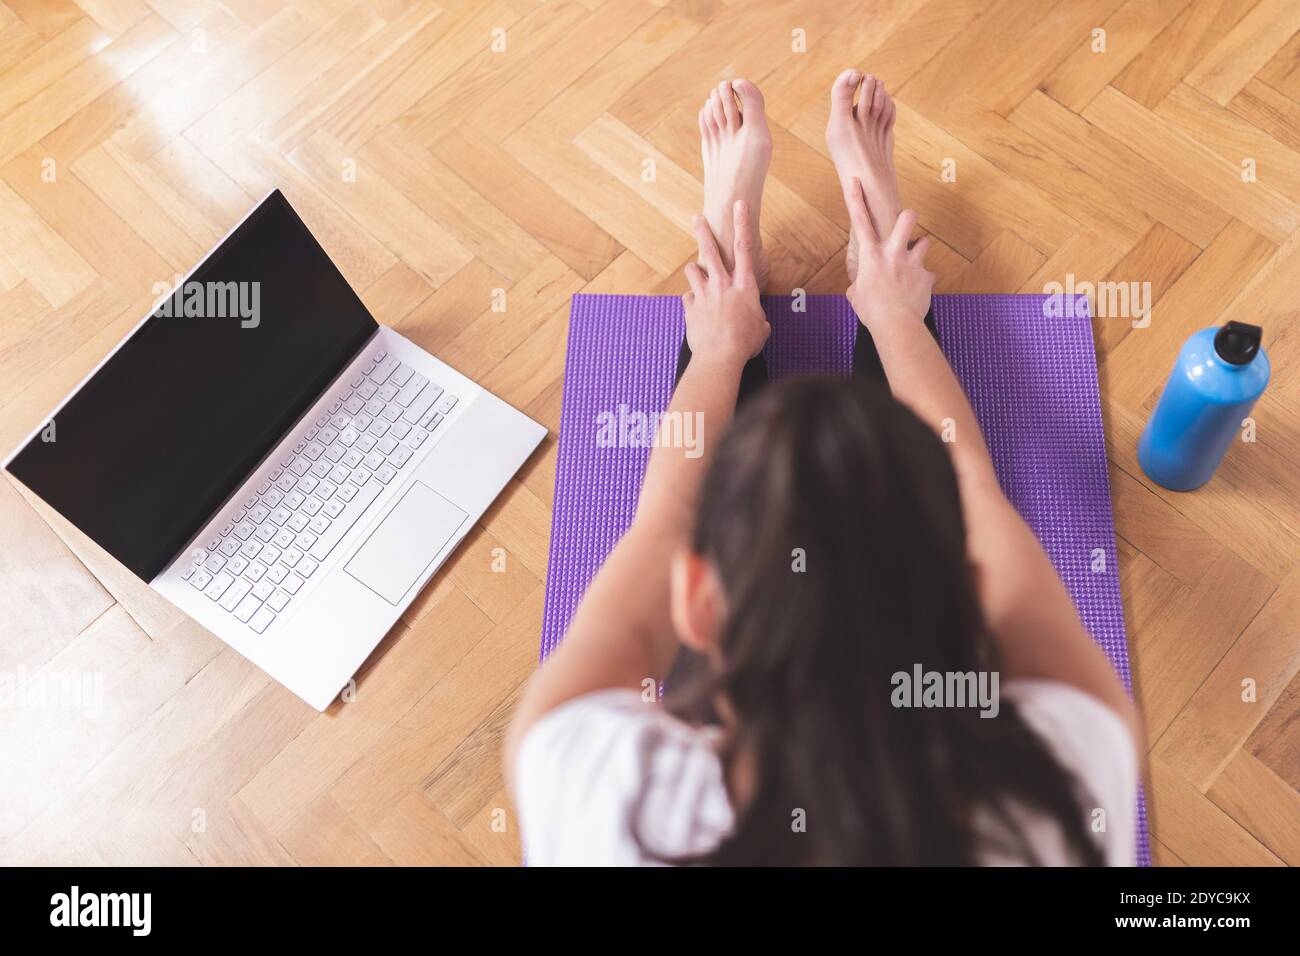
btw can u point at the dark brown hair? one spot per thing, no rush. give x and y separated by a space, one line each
839 472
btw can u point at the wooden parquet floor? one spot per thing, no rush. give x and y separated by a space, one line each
504 145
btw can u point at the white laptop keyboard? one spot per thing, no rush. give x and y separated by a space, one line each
271 543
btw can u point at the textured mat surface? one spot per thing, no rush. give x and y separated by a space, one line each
1031 380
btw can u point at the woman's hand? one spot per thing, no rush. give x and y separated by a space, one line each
724 320
892 284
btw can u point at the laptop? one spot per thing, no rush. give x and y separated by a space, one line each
274 462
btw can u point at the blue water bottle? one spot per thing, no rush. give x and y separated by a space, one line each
1219 375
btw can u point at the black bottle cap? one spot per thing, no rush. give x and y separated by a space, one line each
1237 343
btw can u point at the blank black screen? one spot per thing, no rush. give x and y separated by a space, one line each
172 424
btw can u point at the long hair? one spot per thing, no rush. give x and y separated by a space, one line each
831 514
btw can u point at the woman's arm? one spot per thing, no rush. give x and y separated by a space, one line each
1025 605
621 633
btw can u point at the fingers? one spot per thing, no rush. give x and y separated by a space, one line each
921 247
743 247
859 218
695 279
902 229
709 256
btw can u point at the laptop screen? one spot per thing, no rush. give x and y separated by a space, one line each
143 454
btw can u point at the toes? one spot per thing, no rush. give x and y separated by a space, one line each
846 84
730 114
708 120
704 127
714 107
878 100
888 114
863 110
751 99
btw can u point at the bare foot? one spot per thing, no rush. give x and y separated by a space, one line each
737 148
861 142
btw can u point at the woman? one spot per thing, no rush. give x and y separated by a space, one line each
826 549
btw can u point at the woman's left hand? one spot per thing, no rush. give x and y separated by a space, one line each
724 320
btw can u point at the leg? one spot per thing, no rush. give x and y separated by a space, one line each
861 143
866 360
752 378
736 145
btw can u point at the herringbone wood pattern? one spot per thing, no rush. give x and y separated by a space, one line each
501 145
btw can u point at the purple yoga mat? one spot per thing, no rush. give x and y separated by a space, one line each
1032 381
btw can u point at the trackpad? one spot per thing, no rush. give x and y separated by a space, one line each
406 542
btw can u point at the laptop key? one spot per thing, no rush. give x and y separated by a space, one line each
415 411
261 620
292 583
255 571
278 600
362 500
229 547
384 369
235 594
218 586
200 579
245 609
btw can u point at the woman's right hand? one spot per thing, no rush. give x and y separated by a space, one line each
892 284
